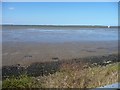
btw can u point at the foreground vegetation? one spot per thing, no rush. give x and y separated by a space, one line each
70 75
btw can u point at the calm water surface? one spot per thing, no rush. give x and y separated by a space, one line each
41 35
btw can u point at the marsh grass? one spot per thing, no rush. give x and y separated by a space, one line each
91 77
63 74
69 76
23 81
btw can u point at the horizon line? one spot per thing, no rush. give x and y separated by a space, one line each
60 24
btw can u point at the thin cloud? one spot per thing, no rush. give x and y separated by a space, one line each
11 8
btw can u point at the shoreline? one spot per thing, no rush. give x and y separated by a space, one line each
50 67
54 59
58 27
27 53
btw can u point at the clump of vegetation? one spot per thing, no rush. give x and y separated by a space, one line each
72 76
69 75
23 81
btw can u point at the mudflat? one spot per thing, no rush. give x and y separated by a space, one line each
25 53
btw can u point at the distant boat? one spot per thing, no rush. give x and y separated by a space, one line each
108 26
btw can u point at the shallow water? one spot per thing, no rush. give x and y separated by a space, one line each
115 86
59 35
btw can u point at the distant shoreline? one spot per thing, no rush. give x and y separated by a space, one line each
81 26
53 27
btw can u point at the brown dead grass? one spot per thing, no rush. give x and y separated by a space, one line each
80 76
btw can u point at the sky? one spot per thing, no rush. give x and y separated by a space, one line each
60 0
60 13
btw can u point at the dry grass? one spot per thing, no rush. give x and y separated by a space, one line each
70 75
75 76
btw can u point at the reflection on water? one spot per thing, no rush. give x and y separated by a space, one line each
40 35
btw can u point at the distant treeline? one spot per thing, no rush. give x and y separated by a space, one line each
62 25
54 26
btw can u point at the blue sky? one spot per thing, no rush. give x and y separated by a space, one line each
60 13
